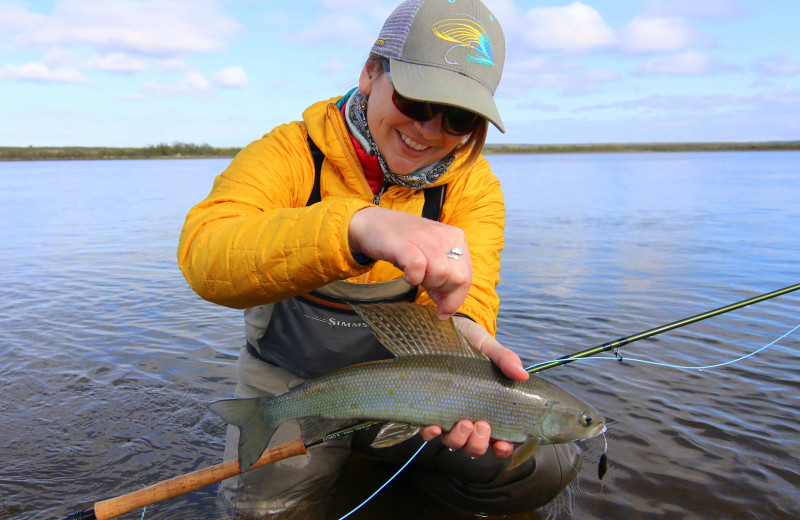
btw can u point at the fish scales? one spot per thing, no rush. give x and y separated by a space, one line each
437 377
421 390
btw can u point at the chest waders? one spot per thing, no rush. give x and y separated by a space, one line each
315 333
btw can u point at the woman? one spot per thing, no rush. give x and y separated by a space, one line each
329 209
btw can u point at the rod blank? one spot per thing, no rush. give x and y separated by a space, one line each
611 345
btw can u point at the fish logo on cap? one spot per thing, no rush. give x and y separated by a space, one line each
466 32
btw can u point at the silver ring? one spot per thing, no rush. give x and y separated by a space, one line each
455 253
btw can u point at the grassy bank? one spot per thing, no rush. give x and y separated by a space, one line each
159 151
643 147
184 150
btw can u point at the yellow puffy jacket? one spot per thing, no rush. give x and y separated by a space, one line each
253 241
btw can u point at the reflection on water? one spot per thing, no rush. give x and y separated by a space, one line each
109 359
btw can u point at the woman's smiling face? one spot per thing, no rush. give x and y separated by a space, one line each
405 144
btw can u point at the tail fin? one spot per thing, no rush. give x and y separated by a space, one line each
254 429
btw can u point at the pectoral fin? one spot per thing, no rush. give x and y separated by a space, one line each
524 452
394 433
313 429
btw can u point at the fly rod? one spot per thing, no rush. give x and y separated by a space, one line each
612 345
182 484
185 483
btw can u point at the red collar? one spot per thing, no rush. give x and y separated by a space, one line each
372 168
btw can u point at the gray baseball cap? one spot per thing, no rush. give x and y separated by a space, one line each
445 51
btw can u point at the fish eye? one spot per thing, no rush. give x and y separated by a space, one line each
586 419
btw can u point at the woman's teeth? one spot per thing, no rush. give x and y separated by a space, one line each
413 144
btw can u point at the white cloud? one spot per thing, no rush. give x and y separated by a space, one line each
677 103
231 77
170 64
579 28
538 105
62 57
150 27
590 82
705 104
339 5
375 11
42 73
571 78
648 33
504 10
787 95
338 28
116 62
14 18
713 9
778 66
690 63
576 27
193 83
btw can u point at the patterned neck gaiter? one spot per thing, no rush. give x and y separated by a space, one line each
356 117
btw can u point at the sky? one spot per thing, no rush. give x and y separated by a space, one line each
224 72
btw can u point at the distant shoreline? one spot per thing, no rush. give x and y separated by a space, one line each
193 151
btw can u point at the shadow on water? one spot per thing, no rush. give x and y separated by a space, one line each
109 360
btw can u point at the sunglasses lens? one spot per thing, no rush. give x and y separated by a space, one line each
455 121
416 110
459 122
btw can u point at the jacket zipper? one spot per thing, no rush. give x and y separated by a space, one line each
376 199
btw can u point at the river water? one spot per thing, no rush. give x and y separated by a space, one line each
109 359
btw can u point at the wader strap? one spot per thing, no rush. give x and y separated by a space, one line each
434 197
314 333
318 157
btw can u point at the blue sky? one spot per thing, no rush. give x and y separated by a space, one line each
140 72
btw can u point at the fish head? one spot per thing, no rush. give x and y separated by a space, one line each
571 421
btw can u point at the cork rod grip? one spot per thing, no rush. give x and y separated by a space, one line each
185 483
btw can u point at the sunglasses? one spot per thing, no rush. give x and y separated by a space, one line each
455 121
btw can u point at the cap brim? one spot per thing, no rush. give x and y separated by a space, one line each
437 85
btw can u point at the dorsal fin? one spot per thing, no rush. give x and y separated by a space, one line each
410 329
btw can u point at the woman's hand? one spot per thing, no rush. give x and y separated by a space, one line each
474 438
419 247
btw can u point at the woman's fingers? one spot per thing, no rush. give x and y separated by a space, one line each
449 284
473 438
420 247
502 449
435 256
507 360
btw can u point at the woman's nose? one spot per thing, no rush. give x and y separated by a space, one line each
432 127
